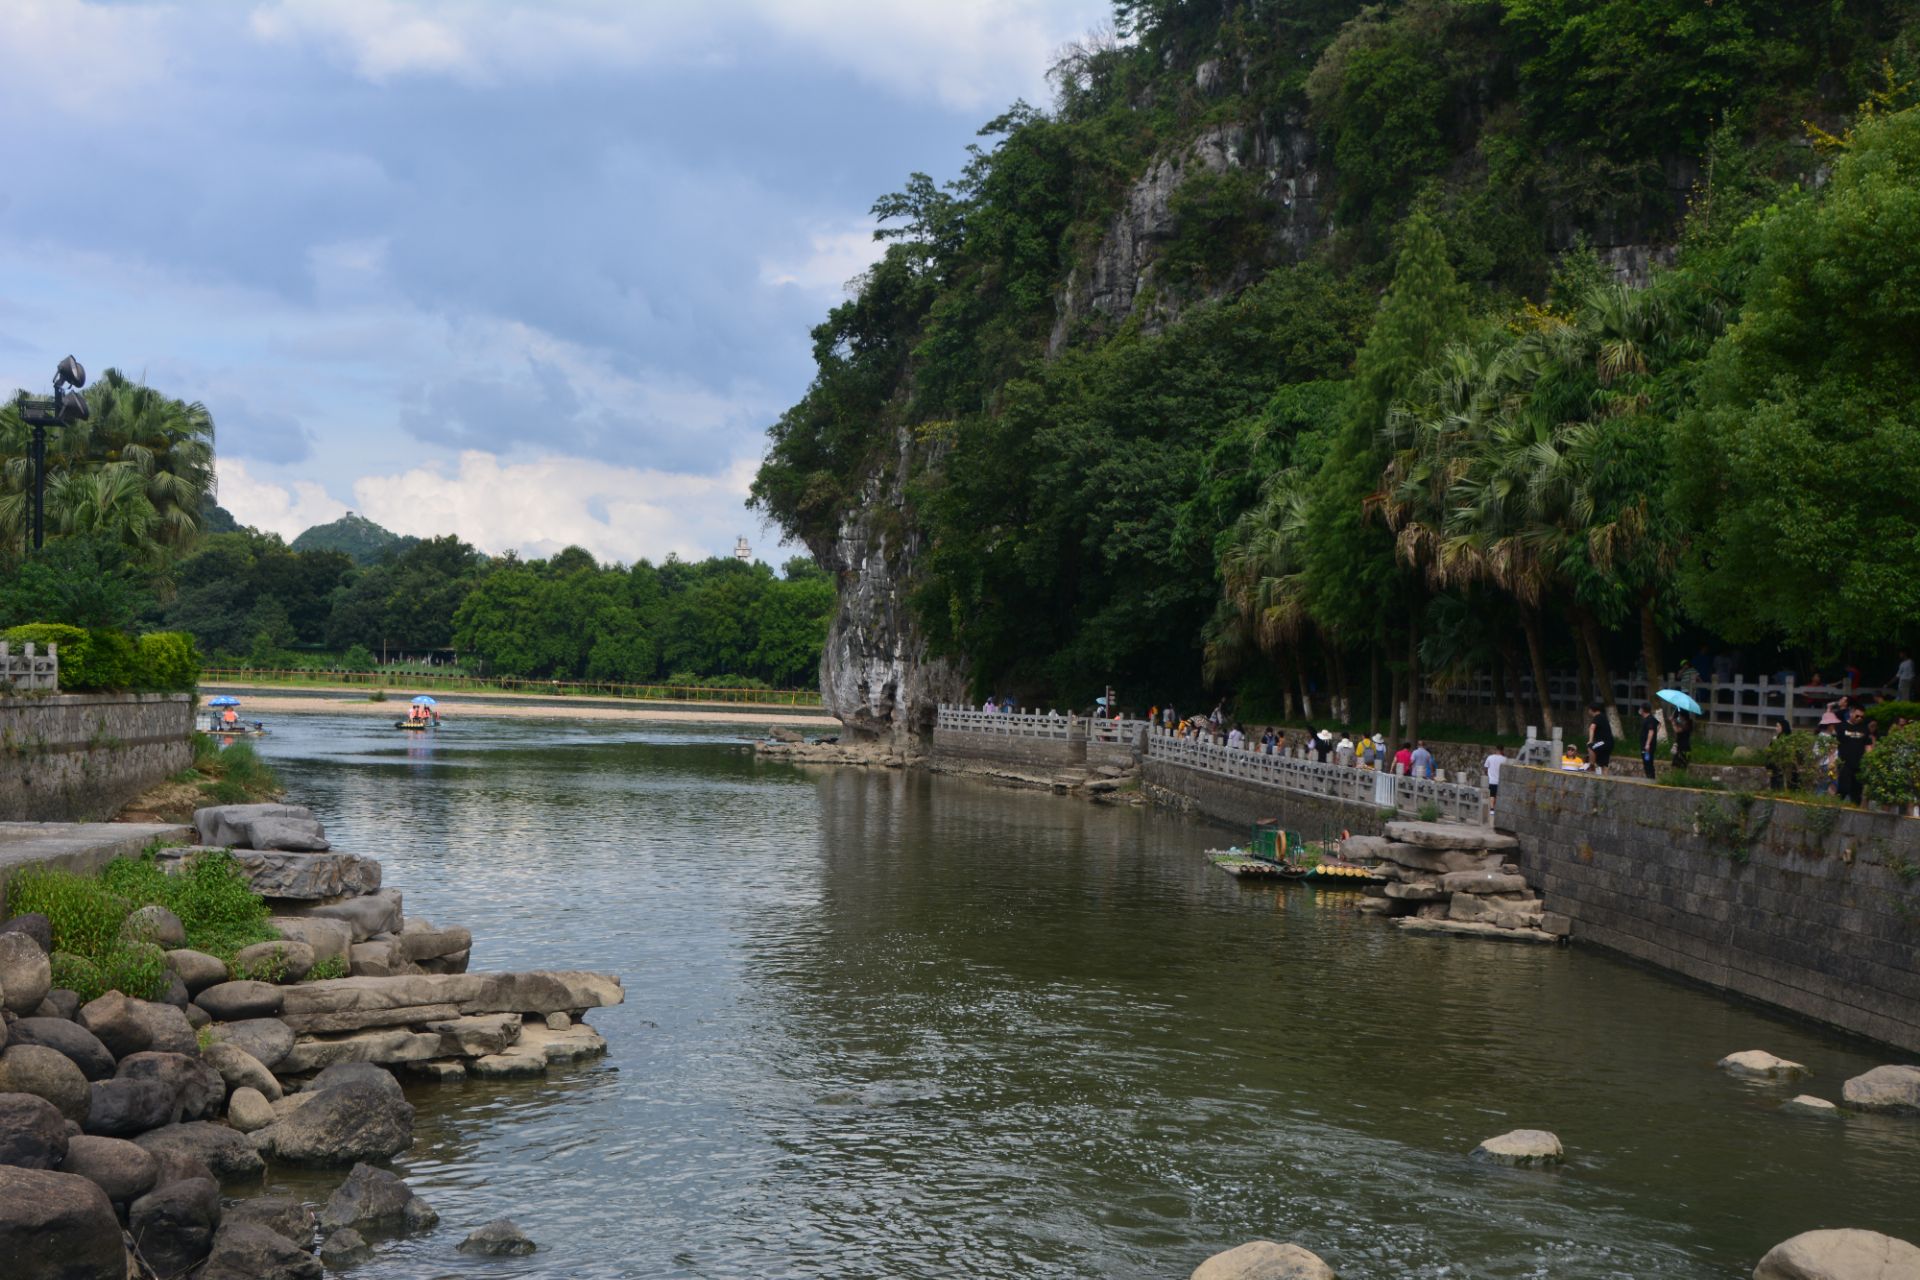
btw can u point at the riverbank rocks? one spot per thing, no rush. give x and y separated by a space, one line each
1264 1260
241 1070
225 1151
45 1073
121 1108
1453 878
126 1026
268 1040
1894 1089
248 1110
1522 1148
58 1226
341 1126
279 962
260 827
329 939
173 1226
1840 1255
35 925
281 876
198 1089
345 1248
1806 1104
374 1202
196 969
498 1239
348 1004
26 975
33 1133
124 1170
282 1215
154 924
237 1001
1761 1064
248 1251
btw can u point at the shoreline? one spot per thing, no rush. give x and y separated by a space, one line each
454 706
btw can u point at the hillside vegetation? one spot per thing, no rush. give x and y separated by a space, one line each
1363 347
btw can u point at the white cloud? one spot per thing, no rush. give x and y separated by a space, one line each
834 260
969 54
82 59
287 510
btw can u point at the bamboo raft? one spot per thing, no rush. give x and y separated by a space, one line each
1336 875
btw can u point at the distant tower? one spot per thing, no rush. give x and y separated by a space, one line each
741 551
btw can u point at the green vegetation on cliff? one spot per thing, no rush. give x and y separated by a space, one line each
1320 344
356 537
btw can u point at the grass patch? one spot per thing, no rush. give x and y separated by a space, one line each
1690 781
209 893
233 775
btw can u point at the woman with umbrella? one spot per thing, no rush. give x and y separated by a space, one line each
1685 709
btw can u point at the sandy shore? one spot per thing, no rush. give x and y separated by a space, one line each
453 708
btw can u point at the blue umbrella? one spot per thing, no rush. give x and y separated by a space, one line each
224 700
424 701
1674 697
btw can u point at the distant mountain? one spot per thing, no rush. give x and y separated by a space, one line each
356 536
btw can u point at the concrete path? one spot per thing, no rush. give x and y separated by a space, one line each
79 847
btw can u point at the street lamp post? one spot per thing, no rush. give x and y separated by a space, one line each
65 405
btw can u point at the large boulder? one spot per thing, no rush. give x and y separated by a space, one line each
121 1108
498 1239
366 914
1759 1064
196 969
61 1003
154 924
285 877
417 944
277 961
33 1133
1450 835
173 1225
294 835
235 1001
479 1035
58 1226
357 1073
229 826
268 1039
26 975
344 1248
248 1251
374 1203
127 1026
1522 1148
180 1166
282 1215
249 1110
241 1070
198 1089
329 939
1840 1255
45 1073
124 1170
379 958
1264 1260
227 1152
35 925
341 1126
1895 1089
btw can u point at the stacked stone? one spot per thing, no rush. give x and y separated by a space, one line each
1451 877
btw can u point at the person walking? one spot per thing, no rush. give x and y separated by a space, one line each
1851 741
1495 759
1403 761
1682 739
1421 761
1599 737
1649 738
1903 678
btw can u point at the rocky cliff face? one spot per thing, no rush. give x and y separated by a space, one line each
875 673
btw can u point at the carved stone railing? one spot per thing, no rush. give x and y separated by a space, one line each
967 720
29 672
1307 776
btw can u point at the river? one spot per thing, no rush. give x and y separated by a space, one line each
886 1024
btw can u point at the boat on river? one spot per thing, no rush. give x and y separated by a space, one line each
214 719
1277 854
420 716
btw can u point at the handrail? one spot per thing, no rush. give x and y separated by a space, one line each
31 671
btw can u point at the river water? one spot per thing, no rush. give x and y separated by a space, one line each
884 1024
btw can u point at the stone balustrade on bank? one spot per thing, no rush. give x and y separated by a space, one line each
78 757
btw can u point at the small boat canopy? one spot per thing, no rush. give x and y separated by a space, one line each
424 701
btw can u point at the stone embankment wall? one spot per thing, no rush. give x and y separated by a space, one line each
75 757
1241 803
1811 909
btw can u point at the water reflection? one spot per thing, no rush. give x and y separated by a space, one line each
883 1024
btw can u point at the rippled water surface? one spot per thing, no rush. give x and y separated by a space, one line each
886 1024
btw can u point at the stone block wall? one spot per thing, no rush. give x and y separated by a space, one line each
81 756
951 745
1813 910
1239 803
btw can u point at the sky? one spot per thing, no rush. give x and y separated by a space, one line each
534 273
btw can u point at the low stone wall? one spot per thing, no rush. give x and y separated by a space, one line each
76 757
1240 803
1036 753
1813 910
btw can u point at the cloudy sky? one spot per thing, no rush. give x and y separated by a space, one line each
535 273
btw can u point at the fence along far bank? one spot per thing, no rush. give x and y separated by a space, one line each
416 682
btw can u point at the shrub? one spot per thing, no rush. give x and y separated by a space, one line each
1796 758
167 662
72 642
1887 712
1890 774
357 658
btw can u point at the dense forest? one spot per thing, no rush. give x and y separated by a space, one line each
1372 346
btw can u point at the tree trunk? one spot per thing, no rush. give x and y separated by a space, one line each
1306 694
1332 669
1497 696
1413 674
1394 728
1373 688
1650 645
1537 659
1597 661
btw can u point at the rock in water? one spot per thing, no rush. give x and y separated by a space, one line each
1840 1255
26 975
247 1251
498 1239
223 1150
375 1202
282 1215
1895 1089
173 1226
124 1170
1522 1148
340 1126
1808 1105
58 1226
33 1133
344 1248
1758 1062
1264 1260
45 1073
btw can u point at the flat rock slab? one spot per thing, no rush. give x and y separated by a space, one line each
457 1037
1522 1148
1806 1104
1840 1255
1482 882
541 991
365 914
562 1044
1474 929
1450 835
1416 892
1759 1063
305 876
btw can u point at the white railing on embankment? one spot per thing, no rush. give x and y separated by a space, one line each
29 672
